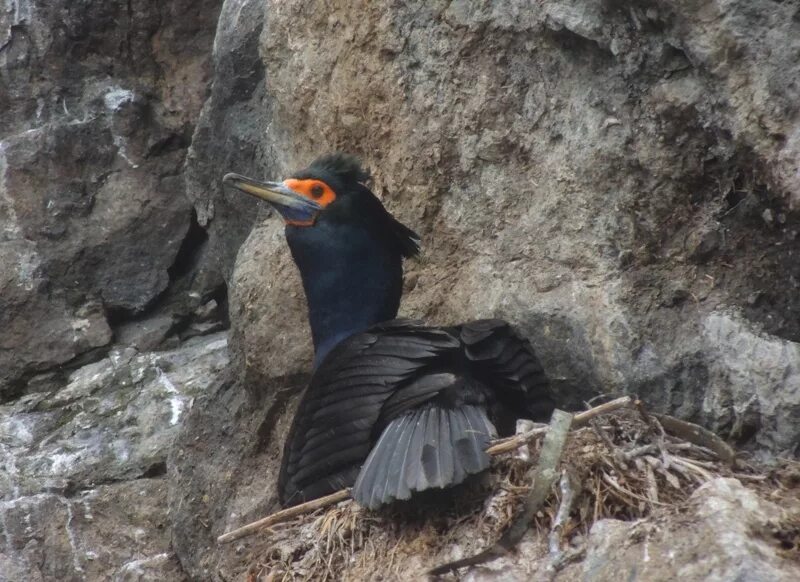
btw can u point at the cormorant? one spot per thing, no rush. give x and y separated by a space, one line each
394 407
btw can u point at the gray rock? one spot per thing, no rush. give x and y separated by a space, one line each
113 532
223 470
114 420
82 493
229 137
99 103
146 334
724 537
754 384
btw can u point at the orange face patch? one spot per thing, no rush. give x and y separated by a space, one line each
315 190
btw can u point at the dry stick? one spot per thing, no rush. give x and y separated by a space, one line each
558 558
582 418
562 515
509 444
499 447
546 473
696 434
622 491
285 515
612 448
652 484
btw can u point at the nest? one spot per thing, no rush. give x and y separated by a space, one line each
621 465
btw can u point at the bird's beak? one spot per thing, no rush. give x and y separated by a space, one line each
294 207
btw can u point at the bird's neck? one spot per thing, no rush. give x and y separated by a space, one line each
351 280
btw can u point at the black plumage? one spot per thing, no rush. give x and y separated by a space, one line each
393 407
419 402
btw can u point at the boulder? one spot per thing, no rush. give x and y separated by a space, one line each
83 493
99 104
728 533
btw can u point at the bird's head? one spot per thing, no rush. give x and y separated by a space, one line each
331 190
347 246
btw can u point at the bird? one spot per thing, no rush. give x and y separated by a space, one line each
394 407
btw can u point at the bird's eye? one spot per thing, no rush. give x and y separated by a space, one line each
317 191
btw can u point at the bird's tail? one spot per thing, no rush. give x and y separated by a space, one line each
431 447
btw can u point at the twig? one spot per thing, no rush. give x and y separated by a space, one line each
524 425
284 515
661 434
621 490
559 558
546 472
652 485
562 516
658 465
745 477
696 434
612 448
509 444
639 451
684 446
696 469
564 507
582 418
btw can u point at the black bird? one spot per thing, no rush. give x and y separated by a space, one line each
393 407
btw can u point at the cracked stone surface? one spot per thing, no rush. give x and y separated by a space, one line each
83 490
99 103
725 535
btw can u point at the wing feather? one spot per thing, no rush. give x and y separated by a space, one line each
335 425
411 402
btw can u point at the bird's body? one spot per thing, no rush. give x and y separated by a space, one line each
394 407
421 402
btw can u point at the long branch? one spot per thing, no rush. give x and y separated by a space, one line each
285 515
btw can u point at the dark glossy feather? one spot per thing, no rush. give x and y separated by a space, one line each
410 403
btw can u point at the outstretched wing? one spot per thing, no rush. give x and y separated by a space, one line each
379 386
333 430
437 426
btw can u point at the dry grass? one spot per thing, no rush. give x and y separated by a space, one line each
622 466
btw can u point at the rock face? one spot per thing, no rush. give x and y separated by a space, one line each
84 495
728 535
99 104
98 246
619 179
726 532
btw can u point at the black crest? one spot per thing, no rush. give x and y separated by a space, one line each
346 167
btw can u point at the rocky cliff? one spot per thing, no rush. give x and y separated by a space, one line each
619 179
